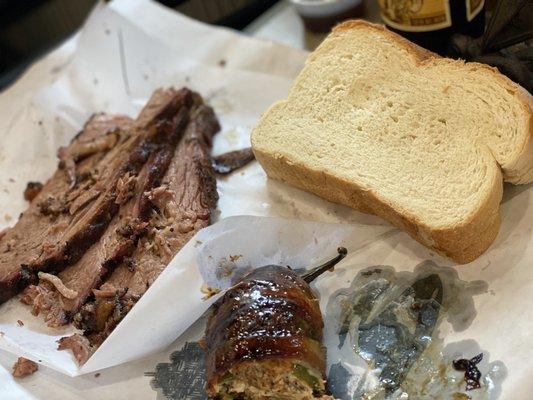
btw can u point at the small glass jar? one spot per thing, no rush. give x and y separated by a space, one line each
322 15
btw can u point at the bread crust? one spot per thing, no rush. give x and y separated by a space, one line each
462 242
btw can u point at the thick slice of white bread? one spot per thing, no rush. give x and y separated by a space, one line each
379 124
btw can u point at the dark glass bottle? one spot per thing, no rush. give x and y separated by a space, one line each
430 23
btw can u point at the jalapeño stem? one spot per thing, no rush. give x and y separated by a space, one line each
310 275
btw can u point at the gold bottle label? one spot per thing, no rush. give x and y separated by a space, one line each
417 15
473 7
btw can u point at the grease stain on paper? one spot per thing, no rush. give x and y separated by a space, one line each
389 321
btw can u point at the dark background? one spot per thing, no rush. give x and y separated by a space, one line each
30 28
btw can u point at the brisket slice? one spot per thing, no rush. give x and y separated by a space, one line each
163 105
117 242
81 199
45 216
92 222
184 203
228 162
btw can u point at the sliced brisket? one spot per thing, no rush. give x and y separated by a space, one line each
185 208
74 208
117 242
46 218
184 203
92 221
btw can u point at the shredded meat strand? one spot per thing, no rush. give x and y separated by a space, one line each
80 346
58 284
125 188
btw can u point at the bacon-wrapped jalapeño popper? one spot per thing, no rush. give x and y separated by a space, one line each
264 338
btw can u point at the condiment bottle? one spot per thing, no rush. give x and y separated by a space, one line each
430 23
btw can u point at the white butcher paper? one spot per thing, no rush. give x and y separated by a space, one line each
113 65
125 51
